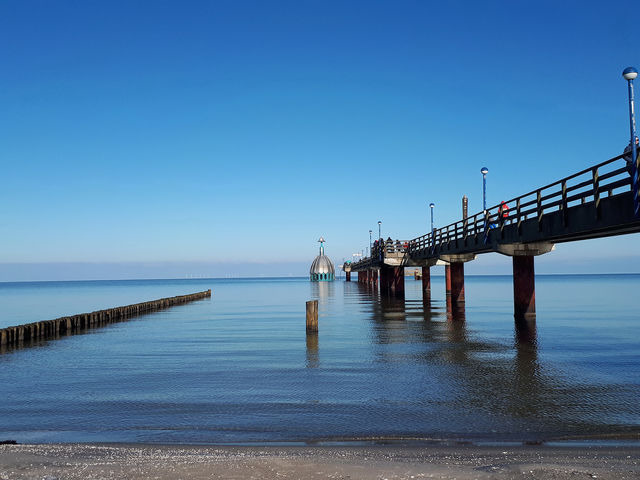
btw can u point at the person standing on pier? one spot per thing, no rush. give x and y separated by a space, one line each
504 210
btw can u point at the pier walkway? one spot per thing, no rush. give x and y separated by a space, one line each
593 203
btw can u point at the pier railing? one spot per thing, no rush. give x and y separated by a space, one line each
588 186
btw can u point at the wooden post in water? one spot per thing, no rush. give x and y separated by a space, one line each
312 317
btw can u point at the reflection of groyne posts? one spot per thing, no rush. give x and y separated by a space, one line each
22 335
593 203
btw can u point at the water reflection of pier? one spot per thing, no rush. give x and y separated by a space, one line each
432 357
498 378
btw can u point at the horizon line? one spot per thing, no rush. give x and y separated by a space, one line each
265 277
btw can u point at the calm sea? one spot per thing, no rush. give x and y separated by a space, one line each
238 368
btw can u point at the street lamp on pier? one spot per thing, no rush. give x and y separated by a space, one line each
484 171
629 75
431 205
370 232
379 231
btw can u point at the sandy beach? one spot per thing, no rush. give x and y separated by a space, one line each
129 462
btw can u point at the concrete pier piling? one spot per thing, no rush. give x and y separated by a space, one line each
456 275
447 279
426 284
22 335
392 281
524 287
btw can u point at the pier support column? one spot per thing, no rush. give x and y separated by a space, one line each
524 287
347 276
456 277
384 281
524 278
426 284
398 282
447 279
392 281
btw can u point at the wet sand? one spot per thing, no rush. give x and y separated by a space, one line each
128 462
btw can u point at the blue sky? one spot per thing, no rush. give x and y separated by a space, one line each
223 138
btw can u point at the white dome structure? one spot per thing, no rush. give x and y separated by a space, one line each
322 268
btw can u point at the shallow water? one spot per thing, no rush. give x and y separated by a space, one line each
238 368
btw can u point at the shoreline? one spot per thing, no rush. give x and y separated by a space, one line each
629 438
193 462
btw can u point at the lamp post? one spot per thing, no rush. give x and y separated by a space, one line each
484 171
370 232
379 234
431 205
629 75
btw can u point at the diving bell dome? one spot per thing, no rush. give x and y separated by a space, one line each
322 268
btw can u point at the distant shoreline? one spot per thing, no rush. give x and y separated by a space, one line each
302 277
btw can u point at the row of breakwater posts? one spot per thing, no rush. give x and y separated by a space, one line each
25 335
592 203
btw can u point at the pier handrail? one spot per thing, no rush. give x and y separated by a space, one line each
536 201
588 185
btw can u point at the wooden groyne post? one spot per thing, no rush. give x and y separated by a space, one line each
312 316
13 337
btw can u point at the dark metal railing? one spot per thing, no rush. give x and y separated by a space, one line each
589 185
